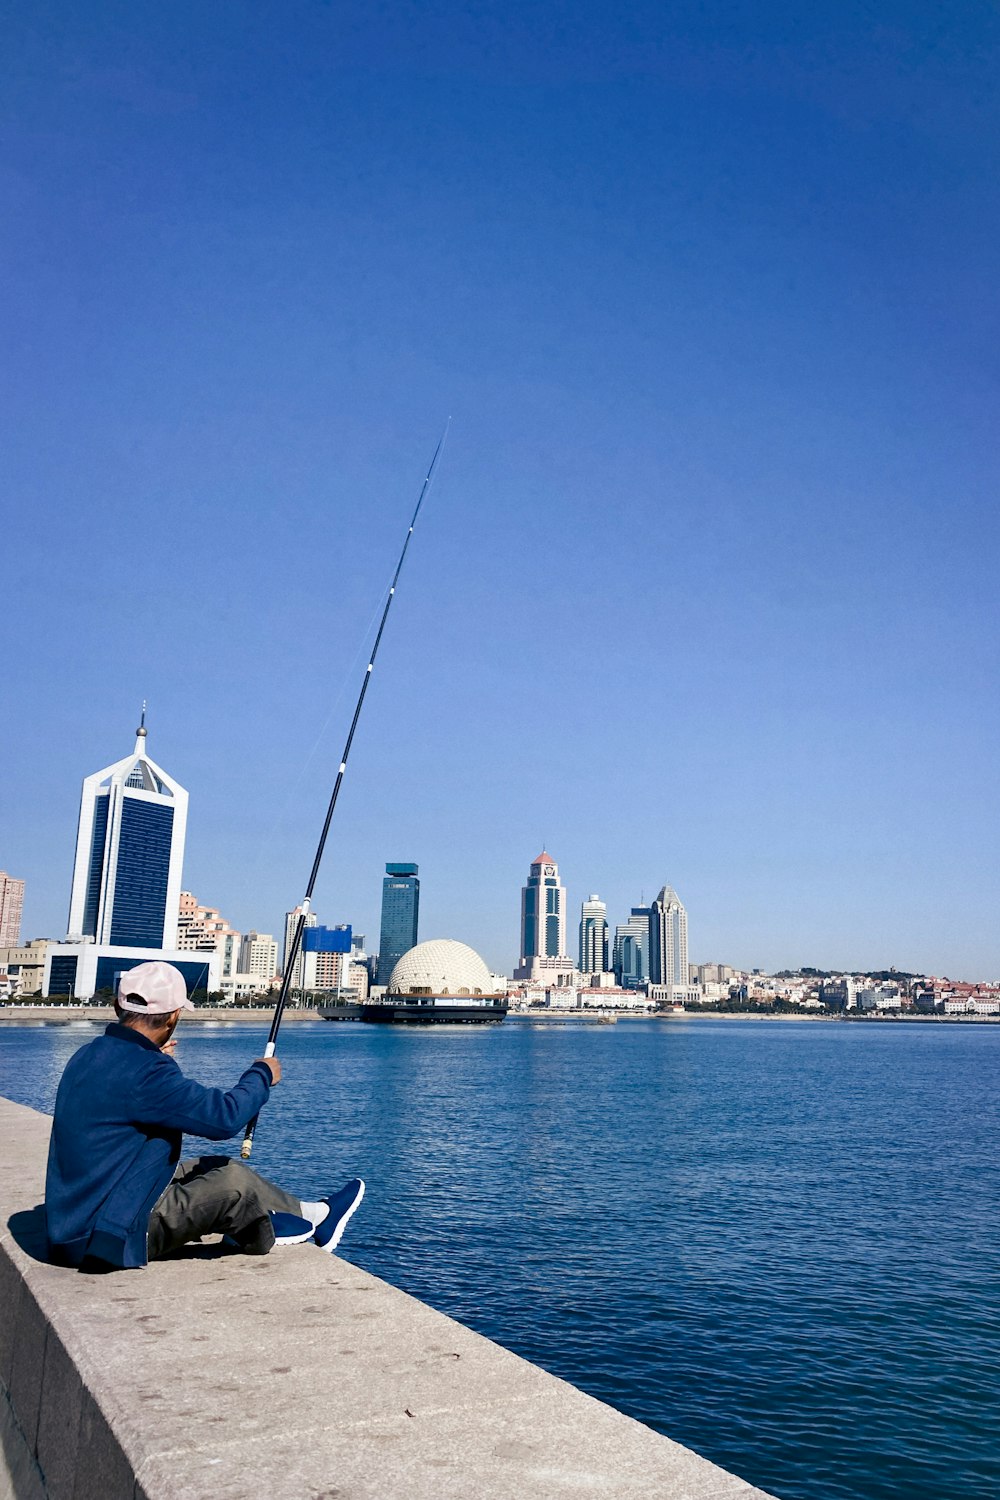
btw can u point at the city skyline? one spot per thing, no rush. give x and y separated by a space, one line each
704 587
646 930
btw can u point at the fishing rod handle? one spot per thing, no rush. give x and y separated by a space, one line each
247 1145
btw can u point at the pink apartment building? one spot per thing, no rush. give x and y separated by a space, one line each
11 904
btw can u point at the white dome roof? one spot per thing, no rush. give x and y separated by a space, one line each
442 967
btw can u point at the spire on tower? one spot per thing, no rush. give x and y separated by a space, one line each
140 733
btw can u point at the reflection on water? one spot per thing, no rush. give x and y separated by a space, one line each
777 1242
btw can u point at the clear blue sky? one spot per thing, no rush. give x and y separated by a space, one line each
706 592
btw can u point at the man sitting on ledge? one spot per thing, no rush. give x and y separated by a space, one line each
117 1193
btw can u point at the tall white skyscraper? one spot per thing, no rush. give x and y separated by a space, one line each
125 898
593 936
543 922
668 940
129 854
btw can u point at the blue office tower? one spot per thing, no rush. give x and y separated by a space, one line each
400 909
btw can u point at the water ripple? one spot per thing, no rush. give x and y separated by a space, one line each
777 1243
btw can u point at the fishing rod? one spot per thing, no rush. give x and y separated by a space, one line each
293 951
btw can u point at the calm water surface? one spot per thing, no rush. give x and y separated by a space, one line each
776 1242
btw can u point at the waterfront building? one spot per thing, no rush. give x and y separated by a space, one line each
593 936
440 967
631 950
291 918
543 923
11 906
326 953
125 896
237 986
440 980
668 941
983 1002
259 957
129 854
711 973
879 997
203 929
605 997
24 967
200 928
400 914
358 977
839 994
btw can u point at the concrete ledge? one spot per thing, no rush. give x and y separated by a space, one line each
295 1376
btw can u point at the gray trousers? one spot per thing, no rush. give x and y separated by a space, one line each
216 1195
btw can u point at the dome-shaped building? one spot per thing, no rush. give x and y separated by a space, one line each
439 981
441 967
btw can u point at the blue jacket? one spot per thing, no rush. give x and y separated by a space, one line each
121 1108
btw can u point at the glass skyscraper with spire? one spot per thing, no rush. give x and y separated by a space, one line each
129 854
543 922
125 898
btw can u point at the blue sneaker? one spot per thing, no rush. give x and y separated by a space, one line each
289 1229
341 1206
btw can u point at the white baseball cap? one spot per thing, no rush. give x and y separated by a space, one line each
153 989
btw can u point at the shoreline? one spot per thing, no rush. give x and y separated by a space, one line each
100 1015
214 1015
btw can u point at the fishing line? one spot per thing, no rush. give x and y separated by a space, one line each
306 902
269 839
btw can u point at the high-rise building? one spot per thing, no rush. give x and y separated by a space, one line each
631 954
359 968
129 853
543 922
593 936
291 919
23 969
326 957
400 912
259 957
11 905
668 940
200 928
203 929
125 899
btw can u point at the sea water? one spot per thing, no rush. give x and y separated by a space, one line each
777 1242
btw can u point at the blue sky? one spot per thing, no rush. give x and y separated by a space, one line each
705 592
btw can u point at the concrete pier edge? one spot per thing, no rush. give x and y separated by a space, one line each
296 1376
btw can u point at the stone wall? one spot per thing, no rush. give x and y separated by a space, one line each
215 1376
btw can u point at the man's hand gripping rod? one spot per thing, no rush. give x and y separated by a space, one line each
296 943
